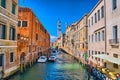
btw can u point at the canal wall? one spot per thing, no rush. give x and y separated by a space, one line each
21 68
92 72
80 60
11 72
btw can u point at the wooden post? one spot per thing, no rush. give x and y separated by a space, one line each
24 66
21 68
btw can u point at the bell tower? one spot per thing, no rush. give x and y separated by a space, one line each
59 28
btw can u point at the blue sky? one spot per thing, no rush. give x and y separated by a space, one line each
68 11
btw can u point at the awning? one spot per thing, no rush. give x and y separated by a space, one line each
108 58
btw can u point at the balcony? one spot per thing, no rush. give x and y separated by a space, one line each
114 42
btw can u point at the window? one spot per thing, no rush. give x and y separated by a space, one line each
89 38
83 45
95 18
19 23
92 57
102 11
36 36
114 4
30 47
89 53
91 20
95 58
11 57
102 60
98 15
12 33
115 65
98 36
103 35
18 36
115 33
98 59
92 37
2 31
95 52
13 8
95 37
24 23
92 52
35 48
99 52
45 31
115 55
3 3
105 64
1 60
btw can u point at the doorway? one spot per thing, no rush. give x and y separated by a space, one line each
1 65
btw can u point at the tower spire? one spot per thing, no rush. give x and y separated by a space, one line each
59 27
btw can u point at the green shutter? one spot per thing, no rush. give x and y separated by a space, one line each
13 8
10 34
4 32
3 3
14 34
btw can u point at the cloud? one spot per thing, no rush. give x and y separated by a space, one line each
52 38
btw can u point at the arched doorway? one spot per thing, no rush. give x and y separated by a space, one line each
22 58
22 61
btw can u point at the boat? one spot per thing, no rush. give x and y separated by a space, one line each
42 59
52 58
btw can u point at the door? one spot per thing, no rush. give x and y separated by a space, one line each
1 65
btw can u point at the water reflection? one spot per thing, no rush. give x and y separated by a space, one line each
65 68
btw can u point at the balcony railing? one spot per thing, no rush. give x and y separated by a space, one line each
113 41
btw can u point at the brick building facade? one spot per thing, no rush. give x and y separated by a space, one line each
33 38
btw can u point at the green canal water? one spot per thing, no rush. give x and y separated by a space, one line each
65 68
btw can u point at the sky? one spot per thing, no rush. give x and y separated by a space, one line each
49 11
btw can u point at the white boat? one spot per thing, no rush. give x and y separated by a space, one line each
52 58
42 59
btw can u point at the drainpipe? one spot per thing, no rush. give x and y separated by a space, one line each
105 27
31 41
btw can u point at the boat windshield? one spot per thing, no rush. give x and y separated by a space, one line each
52 57
42 57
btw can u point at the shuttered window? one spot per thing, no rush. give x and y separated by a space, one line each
3 3
95 17
1 60
98 15
13 8
2 31
114 4
102 11
24 23
11 57
103 35
19 23
12 33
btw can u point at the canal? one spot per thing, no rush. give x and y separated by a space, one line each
65 68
